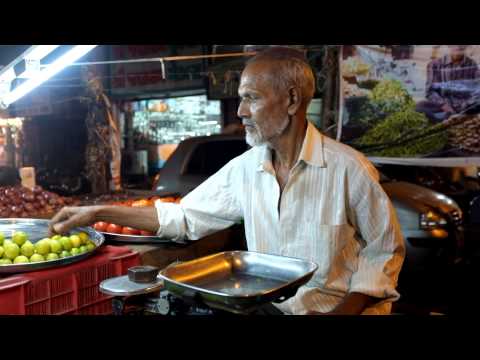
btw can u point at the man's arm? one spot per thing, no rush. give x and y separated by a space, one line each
71 217
383 249
211 207
352 304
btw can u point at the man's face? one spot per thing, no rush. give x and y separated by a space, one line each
457 52
263 109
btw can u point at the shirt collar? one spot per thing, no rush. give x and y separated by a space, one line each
312 151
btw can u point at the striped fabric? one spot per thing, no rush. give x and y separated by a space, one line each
332 211
445 73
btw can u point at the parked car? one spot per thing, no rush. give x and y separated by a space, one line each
430 221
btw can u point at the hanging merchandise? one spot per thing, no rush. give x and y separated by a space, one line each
103 144
116 144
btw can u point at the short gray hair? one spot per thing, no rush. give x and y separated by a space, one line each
290 68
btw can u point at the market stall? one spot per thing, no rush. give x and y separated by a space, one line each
61 163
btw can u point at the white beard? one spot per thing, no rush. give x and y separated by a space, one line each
254 138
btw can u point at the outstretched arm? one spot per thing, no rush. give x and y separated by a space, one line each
71 217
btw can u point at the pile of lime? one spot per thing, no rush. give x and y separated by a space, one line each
19 250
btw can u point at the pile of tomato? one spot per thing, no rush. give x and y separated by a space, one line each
126 230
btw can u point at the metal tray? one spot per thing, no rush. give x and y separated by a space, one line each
36 230
134 239
238 281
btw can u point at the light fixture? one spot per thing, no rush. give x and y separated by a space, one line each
46 72
33 53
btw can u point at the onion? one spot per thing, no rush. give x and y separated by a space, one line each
28 197
37 189
9 193
16 209
29 207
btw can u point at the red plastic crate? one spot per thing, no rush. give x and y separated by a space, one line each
70 289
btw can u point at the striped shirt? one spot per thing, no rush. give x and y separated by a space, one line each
332 211
442 74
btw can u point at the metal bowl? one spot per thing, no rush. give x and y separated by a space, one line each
134 239
36 230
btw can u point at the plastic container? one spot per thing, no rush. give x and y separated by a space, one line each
70 290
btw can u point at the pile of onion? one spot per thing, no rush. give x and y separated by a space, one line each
22 202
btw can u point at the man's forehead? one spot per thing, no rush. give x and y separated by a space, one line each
256 75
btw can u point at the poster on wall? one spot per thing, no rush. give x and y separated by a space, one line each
412 103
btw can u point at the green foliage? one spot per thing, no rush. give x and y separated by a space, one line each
399 126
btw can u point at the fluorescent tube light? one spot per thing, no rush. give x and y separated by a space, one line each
46 73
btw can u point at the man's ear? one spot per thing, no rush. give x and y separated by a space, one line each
294 100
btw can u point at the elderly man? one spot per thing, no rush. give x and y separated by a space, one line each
299 193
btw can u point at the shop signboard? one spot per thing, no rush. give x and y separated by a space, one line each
152 77
412 103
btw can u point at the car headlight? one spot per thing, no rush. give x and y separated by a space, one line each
431 220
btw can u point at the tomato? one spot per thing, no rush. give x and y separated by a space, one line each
115 229
100 226
141 203
130 231
146 233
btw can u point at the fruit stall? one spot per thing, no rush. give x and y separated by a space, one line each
65 149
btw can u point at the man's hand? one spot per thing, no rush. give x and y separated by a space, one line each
70 217
352 304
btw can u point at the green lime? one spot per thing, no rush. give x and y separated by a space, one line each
2 238
11 250
27 249
90 247
83 249
83 237
75 251
19 237
5 261
52 256
65 254
66 243
55 246
42 247
21 259
56 237
1 251
76 241
36 258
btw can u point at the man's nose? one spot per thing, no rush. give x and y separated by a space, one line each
243 111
